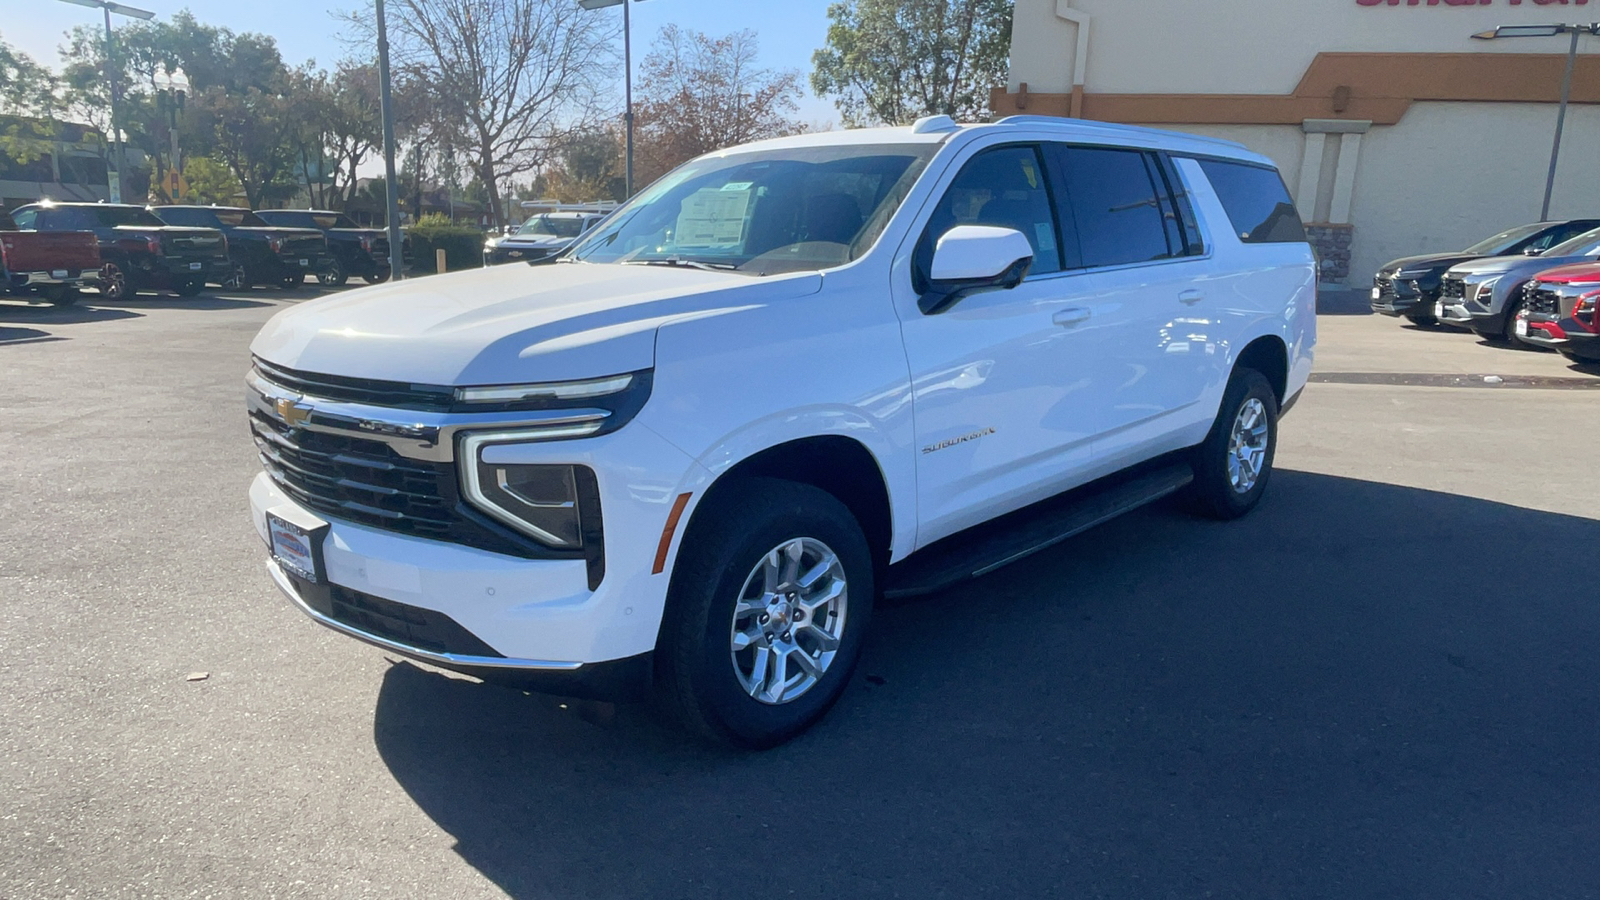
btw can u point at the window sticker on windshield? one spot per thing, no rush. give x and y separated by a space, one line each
713 218
737 186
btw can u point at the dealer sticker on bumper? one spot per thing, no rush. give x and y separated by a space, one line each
297 546
1522 328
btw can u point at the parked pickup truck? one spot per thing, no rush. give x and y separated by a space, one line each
362 252
138 252
259 253
54 266
686 458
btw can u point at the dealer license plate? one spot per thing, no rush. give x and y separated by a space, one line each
194 267
1438 309
58 273
297 549
305 262
1376 293
1522 328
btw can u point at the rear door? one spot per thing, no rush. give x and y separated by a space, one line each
1152 296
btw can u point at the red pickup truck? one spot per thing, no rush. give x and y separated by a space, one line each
54 265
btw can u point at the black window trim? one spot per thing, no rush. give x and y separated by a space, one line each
1206 248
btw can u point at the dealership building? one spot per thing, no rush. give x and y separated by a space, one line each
1396 131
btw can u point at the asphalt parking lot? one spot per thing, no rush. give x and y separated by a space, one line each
1382 684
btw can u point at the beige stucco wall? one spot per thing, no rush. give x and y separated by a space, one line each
1250 46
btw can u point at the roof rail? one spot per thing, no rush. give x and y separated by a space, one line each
1059 121
598 206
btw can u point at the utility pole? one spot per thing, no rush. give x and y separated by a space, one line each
390 188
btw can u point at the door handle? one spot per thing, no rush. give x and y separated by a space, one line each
1075 315
1191 296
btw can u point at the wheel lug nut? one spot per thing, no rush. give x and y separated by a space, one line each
787 635
764 618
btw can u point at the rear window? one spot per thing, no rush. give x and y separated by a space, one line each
1256 201
191 218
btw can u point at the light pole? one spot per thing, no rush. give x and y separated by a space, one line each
627 77
111 75
391 190
1513 31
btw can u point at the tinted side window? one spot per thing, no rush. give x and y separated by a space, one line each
1119 211
68 218
23 221
1004 187
1256 202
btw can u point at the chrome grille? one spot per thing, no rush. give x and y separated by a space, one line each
1385 286
368 391
1453 287
363 481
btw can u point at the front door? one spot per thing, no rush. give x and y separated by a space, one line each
1003 382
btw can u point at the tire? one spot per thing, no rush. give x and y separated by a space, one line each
334 276
292 281
725 693
1220 467
1422 320
113 282
377 277
59 295
1508 332
189 287
238 279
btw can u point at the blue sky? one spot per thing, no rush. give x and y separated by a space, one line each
790 30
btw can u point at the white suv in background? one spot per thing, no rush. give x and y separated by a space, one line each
786 379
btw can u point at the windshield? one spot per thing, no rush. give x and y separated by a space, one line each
763 212
551 226
1586 244
1505 240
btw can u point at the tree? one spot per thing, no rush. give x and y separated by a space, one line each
510 79
698 94
28 101
210 181
893 61
590 168
337 126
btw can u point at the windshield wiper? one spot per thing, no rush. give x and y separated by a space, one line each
679 262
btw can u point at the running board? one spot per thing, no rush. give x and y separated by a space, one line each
983 548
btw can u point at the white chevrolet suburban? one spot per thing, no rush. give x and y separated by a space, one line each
786 380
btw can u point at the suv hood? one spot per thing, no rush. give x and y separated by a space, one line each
509 324
1489 266
1578 273
531 240
1437 262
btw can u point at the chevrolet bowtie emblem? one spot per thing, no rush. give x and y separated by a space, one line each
292 411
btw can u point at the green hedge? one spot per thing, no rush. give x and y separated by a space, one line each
462 244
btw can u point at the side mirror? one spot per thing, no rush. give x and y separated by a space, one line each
973 258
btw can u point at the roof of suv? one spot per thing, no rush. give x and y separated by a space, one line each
1069 129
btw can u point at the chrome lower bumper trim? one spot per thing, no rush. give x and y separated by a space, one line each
444 659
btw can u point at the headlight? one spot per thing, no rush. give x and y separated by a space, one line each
490 245
1485 289
541 501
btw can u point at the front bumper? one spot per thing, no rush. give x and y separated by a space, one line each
512 619
1565 335
1401 298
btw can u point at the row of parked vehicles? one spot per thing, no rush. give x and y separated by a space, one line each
52 250
1535 285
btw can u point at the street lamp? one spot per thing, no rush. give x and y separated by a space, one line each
627 76
120 9
1515 31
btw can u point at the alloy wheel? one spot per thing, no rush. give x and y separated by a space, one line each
113 283
788 620
1247 445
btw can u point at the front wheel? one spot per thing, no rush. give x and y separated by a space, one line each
1233 464
378 276
189 287
60 295
237 279
292 281
769 599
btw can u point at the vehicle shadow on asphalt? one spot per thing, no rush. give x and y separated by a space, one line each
26 336
77 314
1362 689
170 301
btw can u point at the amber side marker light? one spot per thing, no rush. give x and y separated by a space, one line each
667 532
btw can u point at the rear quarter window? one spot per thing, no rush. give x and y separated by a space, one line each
1257 203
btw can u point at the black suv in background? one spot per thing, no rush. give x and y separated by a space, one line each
1409 286
138 252
362 252
259 253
